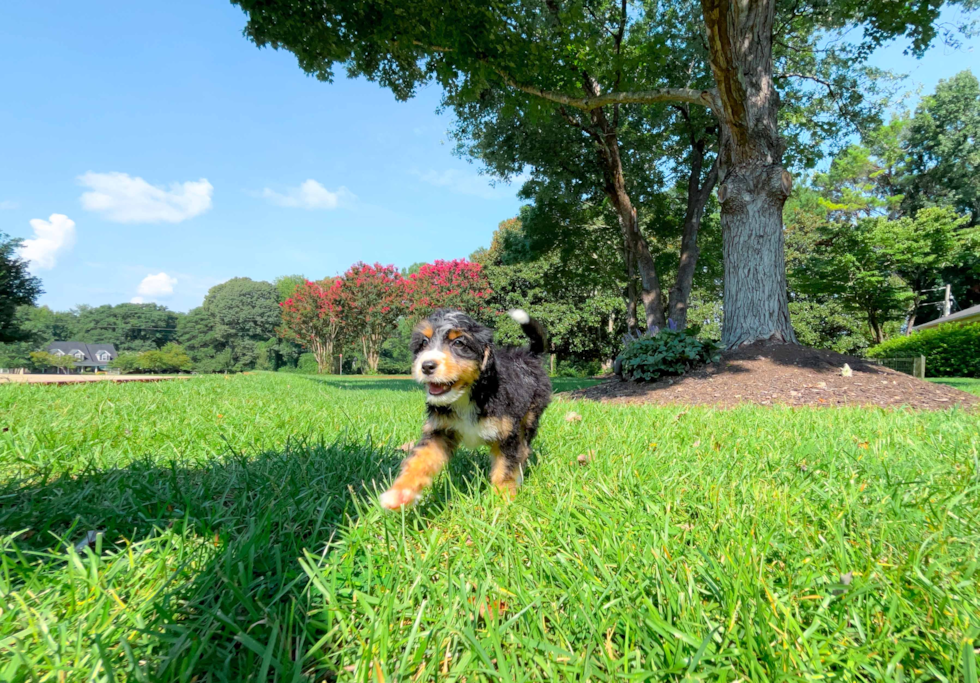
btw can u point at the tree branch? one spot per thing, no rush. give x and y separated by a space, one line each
827 84
689 95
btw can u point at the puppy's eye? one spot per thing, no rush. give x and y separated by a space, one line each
459 343
425 341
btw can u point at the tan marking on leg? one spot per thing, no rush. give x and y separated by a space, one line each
419 469
496 428
501 476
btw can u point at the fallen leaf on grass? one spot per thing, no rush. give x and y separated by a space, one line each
864 445
572 416
493 608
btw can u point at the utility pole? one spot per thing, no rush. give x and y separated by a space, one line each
947 301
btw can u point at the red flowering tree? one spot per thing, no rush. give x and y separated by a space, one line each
457 284
373 299
314 317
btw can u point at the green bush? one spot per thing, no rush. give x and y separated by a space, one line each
127 362
171 358
578 368
951 350
667 352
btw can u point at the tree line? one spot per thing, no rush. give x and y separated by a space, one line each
891 218
617 108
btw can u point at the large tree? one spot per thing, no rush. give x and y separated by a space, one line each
228 331
373 298
130 327
548 49
943 143
580 305
313 316
17 288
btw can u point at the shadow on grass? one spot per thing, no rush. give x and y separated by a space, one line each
231 533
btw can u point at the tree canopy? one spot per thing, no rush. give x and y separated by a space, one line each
17 288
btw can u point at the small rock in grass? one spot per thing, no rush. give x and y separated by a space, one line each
572 416
584 459
846 371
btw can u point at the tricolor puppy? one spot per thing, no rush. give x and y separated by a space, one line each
476 394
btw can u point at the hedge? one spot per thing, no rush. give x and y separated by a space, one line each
951 350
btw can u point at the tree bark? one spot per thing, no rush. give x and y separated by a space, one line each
754 184
697 198
607 145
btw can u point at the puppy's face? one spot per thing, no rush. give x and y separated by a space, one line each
450 351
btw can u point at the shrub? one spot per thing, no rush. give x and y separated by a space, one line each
665 352
578 368
951 350
171 358
127 363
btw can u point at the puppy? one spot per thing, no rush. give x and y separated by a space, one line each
476 394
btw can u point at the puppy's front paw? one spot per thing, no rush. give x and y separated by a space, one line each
395 498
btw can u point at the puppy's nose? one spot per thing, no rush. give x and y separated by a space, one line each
428 367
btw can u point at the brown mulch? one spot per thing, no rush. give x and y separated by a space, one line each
767 374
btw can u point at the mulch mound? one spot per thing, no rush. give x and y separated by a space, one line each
767 374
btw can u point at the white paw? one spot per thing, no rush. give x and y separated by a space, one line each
395 498
519 315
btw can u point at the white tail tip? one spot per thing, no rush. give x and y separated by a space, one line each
519 315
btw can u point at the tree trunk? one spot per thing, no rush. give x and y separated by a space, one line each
912 315
754 184
615 188
604 133
876 331
323 353
697 199
372 351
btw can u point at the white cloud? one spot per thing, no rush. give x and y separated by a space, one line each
310 195
160 284
7 204
473 184
51 238
136 300
123 199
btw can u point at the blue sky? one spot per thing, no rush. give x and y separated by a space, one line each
150 152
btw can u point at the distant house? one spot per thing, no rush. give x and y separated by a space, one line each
969 315
95 357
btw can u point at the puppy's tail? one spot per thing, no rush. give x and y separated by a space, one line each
533 330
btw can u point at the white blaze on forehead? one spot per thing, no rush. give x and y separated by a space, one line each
431 354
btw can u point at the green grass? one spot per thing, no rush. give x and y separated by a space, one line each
969 384
240 541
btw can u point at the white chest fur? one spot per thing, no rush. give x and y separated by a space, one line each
474 431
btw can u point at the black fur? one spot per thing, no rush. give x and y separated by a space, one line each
513 380
512 386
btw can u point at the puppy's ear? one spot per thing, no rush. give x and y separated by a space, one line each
484 337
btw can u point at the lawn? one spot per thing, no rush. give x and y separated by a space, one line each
239 540
970 384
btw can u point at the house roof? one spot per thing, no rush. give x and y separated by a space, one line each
89 352
967 315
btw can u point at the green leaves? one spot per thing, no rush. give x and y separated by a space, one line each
669 352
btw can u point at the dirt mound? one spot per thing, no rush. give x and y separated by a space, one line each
766 374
